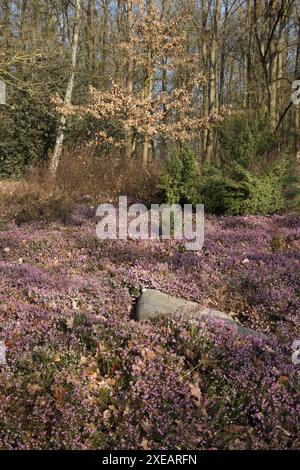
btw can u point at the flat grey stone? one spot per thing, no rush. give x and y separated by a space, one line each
153 304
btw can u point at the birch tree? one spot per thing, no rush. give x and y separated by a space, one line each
55 158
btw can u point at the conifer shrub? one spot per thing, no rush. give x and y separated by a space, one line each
179 182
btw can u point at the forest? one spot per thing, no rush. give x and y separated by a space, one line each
150 85
126 344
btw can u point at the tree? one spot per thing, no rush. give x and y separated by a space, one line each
269 22
139 113
241 53
54 160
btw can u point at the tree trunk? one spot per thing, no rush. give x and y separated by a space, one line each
213 85
148 92
273 88
90 39
6 22
104 39
205 62
129 78
247 58
55 158
164 79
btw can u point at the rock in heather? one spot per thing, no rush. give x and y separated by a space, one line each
153 303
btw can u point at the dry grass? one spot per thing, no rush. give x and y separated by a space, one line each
81 177
104 178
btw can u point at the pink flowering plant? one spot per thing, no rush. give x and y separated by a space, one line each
81 373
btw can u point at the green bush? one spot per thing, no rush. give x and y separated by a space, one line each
292 186
250 176
266 195
245 139
224 196
179 183
27 133
252 195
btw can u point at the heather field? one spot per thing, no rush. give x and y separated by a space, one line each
81 373
124 124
